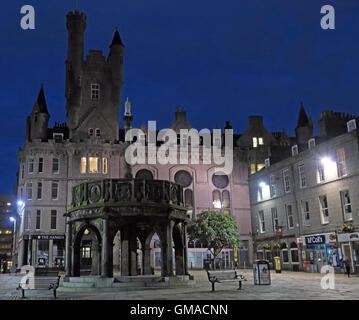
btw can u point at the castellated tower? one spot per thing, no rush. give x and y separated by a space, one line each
38 120
93 85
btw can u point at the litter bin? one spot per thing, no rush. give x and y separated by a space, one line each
277 266
261 272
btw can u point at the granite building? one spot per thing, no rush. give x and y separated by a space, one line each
304 203
91 146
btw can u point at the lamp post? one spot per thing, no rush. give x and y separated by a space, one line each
13 242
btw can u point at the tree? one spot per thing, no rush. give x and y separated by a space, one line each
216 231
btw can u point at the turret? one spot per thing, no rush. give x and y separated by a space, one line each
115 60
37 122
304 129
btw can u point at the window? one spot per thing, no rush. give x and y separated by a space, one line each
54 190
346 205
85 252
144 174
83 165
39 190
286 180
216 199
255 142
285 256
342 168
289 211
93 164
260 166
253 168
311 143
31 165
29 191
260 141
262 226
22 171
183 178
273 190
38 220
324 209
91 132
188 198
104 166
55 165
53 219
226 202
351 125
320 172
95 91
306 213
294 150
41 165
275 219
27 220
267 162
98 132
302 181
58 137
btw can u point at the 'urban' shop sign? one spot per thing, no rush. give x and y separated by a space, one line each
320 239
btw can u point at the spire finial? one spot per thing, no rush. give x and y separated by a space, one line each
127 108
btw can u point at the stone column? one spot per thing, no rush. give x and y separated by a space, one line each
96 258
185 249
125 270
105 252
75 260
133 252
179 260
146 260
34 253
51 245
69 249
166 250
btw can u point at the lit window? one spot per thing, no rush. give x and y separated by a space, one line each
8 232
93 164
260 141
253 168
83 165
226 199
260 166
95 91
346 205
8 204
255 142
55 165
104 166
217 199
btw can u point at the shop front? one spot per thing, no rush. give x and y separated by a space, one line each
319 250
349 246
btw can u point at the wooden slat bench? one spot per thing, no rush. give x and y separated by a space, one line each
225 276
43 279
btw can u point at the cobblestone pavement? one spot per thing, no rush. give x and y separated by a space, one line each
284 286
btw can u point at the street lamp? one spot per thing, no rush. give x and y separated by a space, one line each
12 219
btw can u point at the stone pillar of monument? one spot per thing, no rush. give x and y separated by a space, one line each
125 270
166 250
179 256
106 265
146 261
75 258
96 258
69 249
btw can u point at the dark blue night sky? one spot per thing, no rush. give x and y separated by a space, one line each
220 59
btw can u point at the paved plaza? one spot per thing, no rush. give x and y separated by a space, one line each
285 286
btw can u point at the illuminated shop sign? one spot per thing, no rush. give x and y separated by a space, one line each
44 237
320 239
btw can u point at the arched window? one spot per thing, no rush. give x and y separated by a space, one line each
226 199
144 174
183 178
188 198
220 181
216 196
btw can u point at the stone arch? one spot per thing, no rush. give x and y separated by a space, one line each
76 259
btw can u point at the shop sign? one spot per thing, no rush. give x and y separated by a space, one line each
330 238
319 239
347 237
48 237
299 240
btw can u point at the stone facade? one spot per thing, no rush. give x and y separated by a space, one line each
313 192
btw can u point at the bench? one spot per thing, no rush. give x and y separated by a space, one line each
225 276
42 279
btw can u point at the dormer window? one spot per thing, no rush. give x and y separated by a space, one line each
58 137
95 91
351 125
311 143
98 132
294 150
91 132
